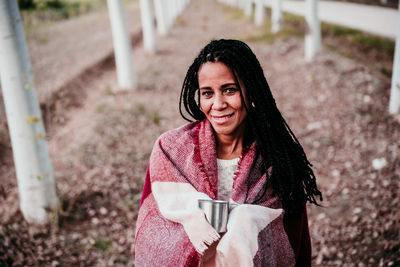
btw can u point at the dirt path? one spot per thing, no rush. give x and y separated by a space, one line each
60 52
335 106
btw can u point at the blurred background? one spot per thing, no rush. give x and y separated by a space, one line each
100 133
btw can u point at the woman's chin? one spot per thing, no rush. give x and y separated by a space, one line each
220 131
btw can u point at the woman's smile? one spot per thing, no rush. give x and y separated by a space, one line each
222 118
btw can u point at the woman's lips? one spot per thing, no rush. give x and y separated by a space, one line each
222 119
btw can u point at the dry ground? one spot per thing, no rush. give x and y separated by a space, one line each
337 108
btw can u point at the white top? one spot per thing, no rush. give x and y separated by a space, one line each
226 170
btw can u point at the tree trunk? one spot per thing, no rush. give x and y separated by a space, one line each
122 45
394 105
36 186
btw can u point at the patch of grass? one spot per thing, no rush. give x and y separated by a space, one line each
100 108
232 12
374 51
126 205
155 118
338 30
181 21
270 37
375 42
237 14
108 90
140 108
102 244
291 26
336 50
38 13
359 37
289 17
386 72
131 202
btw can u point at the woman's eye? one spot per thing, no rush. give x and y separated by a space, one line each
231 90
207 93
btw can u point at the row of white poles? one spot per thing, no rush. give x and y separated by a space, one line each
32 162
313 34
37 195
165 13
312 38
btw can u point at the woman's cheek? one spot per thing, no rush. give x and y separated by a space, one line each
205 105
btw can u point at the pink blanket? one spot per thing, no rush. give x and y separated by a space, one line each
172 231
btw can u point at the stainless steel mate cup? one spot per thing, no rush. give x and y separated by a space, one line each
216 212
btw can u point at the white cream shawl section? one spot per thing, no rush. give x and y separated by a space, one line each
239 245
178 202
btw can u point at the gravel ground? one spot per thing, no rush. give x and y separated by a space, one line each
337 108
60 52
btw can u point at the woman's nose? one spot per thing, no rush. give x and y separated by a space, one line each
219 102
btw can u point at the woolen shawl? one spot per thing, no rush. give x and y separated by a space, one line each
172 231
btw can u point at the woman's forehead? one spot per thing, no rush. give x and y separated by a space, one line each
215 72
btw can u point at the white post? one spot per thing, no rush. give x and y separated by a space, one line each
161 17
248 9
33 167
148 30
313 35
122 45
169 13
276 16
176 8
394 104
259 16
181 6
172 5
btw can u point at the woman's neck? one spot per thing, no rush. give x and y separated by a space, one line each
229 147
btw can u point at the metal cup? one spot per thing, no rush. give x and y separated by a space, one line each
216 213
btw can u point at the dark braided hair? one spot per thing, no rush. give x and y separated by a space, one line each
292 178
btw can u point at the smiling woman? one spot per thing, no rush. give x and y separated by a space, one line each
239 149
221 103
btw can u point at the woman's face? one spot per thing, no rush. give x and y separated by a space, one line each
220 99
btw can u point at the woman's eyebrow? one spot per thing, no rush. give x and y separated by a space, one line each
223 86
229 84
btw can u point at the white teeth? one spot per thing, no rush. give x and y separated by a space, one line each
222 118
